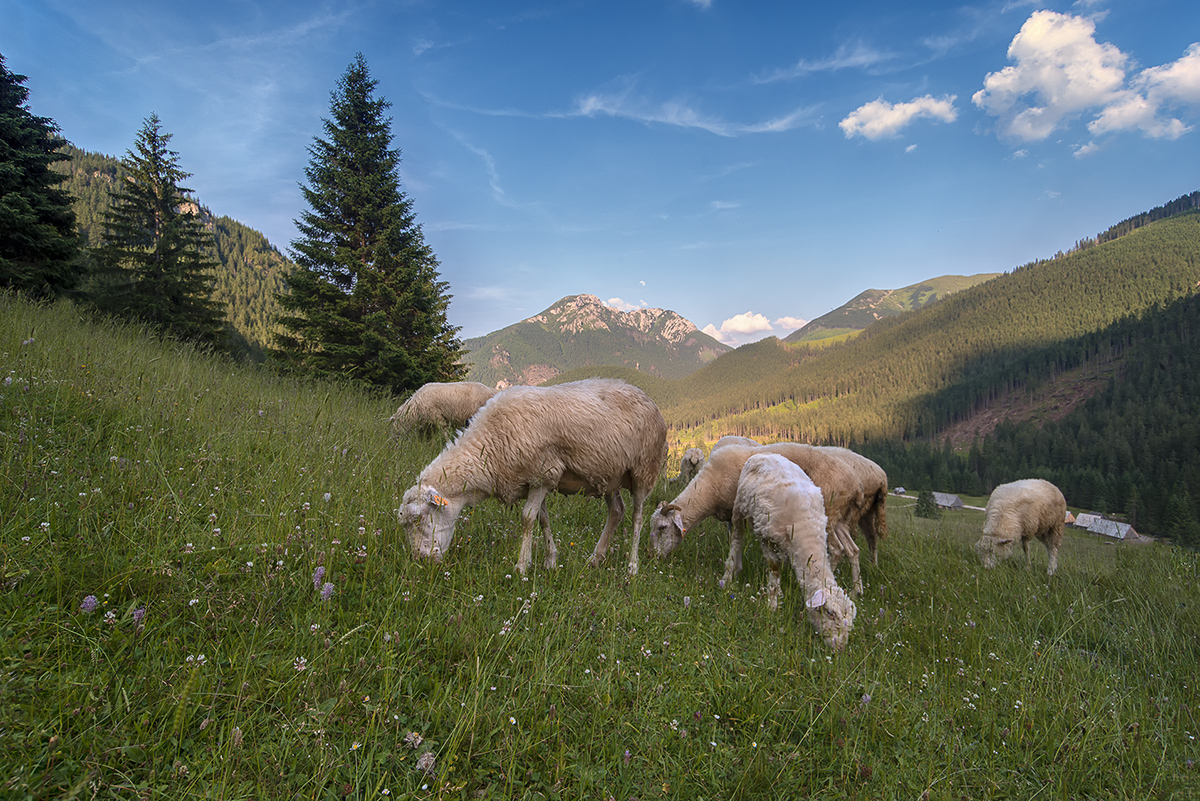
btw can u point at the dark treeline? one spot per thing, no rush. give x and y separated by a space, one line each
1133 449
1179 205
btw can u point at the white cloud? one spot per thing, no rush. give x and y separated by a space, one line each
643 283
701 3
789 324
622 305
880 118
1061 72
910 148
740 329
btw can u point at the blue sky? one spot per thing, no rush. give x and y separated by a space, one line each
748 165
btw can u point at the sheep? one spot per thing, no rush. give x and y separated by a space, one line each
689 465
787 511
1025 509
872 512
594 436
440 407
712 493
734 439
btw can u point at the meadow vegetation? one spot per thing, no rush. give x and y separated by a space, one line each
206 594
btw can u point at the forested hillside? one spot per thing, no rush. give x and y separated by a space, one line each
910 376
252 270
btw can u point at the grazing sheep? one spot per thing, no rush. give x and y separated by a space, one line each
872 512
1021 511
734 439
596 436
440 408
787 511
689 465
712 493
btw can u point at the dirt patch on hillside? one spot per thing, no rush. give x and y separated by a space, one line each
1050 402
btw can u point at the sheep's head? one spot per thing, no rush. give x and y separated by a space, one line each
666 528
428 520
832 614
992 549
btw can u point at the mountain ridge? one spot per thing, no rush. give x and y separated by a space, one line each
580 331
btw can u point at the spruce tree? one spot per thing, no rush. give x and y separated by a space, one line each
39 251
365 300
153 260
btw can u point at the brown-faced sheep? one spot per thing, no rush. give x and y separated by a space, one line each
712 493
1022 510
787 512
596 436
440 408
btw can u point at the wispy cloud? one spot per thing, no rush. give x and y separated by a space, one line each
856 55
879 118
624 103
623 305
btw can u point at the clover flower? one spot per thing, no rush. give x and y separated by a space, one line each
300 664
89 604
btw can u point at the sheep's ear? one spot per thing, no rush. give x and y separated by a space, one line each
431 495
678 518
817 600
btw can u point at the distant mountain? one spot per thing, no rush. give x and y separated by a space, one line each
875 304
252 270
581 331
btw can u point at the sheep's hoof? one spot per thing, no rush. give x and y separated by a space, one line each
594 561
633 568
551 561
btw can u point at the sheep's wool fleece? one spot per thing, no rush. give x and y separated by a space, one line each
782 503
448 404
1030 507
594 436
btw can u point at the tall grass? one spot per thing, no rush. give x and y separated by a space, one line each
260 630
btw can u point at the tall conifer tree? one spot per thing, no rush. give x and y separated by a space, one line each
39 249
365 299
154 262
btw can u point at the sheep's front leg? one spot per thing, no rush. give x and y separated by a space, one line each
616 511
733 562
639 502
531 514
775 565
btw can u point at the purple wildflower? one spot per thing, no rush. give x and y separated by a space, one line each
327 591
138 614
318 577
89 603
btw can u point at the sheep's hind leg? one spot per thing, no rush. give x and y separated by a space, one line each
551 561
616 511
733 562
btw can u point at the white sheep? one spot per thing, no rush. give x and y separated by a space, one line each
712 493
734 439
689 465
1022 510
871 514
441 408
787 511
595 436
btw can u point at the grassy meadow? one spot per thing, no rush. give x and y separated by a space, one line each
206 594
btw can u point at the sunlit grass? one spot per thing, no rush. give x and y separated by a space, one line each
207 507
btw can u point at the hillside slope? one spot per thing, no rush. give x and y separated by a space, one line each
875 304
581 331
962 350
